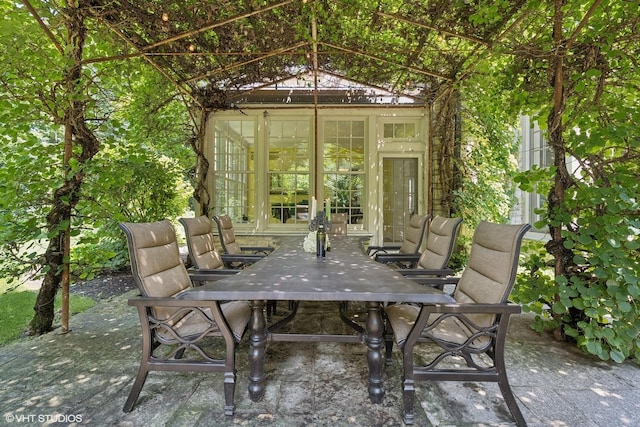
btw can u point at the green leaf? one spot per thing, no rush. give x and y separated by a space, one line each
559 308
572 332
593 72
625 306
634 290
617 356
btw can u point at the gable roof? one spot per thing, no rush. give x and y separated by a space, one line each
308 87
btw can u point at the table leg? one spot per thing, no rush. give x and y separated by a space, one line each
374 339
257 346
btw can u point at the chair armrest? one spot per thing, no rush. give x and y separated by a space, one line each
372 250
168 302
435 282
432 324
243 258
424 323
426 272
258 250
240 261
212 271
393 258
476 308
204 275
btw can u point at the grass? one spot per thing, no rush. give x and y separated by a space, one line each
17 310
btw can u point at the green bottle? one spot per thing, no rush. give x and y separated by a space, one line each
321 241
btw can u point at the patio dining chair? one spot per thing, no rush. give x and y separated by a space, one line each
178 334
469 335
411 242
442 233
228 238
206 259
338 224
203 254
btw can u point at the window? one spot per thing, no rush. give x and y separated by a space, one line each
234 170
288 170
343 167
535 151
402 131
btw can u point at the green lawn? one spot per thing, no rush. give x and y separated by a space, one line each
17 310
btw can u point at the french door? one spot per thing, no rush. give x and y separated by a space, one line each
399 196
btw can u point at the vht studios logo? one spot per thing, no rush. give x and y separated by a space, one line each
42 418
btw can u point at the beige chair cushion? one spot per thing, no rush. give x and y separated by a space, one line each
237 315
493 262
156 264
338 224
402 317
414 234
488 278
158 267
441 239
202 250
159 272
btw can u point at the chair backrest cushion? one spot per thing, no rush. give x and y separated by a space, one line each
155 261
200 242
414 234
338 224
441 240
491 272
227 236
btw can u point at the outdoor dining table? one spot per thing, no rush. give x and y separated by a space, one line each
345 275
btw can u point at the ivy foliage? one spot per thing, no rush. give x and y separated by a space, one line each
488 159
583 284
139 174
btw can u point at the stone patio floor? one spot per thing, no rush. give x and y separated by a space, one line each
84 377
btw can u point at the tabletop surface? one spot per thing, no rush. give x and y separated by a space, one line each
345 274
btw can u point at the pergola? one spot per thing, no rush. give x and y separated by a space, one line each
214 50
208 49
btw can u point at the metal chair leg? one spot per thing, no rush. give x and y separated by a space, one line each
408 399
229 391
136 389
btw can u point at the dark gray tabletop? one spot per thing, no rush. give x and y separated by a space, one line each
345 274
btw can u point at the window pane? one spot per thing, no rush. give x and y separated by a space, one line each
410 130
234 193
388 130
357 129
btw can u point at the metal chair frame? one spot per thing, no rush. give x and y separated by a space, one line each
474 328
177 334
